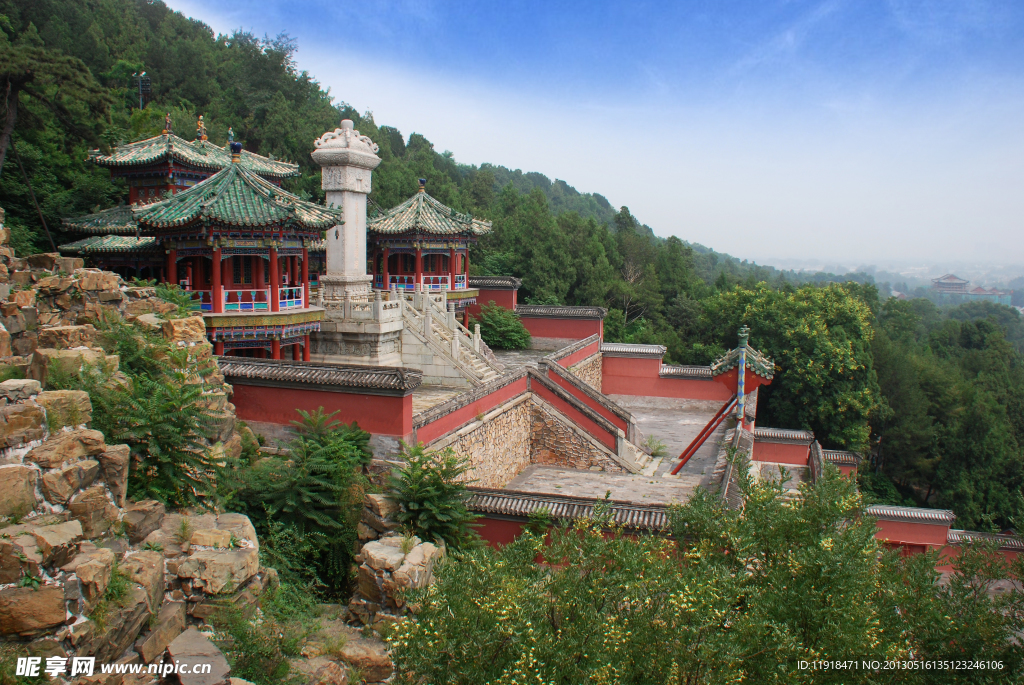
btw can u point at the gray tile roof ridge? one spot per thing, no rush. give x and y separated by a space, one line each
795 434
561 311
893 512
321 373
633 349
685 371
495 282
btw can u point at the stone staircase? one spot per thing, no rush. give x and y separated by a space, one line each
441 332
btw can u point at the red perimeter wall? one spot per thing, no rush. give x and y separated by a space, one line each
599 433
633 376
460 417
504 298
580 354
569 329
781 453
587 400
377 414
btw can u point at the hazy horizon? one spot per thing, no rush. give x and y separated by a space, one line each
834 131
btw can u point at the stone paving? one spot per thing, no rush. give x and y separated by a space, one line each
425 397
553 480
516 359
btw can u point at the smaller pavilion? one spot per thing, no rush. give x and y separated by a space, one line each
241 245
422 242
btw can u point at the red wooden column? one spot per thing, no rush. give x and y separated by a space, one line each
172 266
296 353
305 347
305 277
218 286
384 270
218 348
275 348
451 268
465 263
275 284
419 266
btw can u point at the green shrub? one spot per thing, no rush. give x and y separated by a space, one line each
169 292
432 497
9 372
501 328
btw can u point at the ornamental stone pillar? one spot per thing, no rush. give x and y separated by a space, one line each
348 160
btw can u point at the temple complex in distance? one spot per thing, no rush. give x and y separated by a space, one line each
384 340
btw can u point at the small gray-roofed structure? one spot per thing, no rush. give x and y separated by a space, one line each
555 311
495 282
1005 542
783 435
320 375
892 512
519 505
690 372
632 350
841 457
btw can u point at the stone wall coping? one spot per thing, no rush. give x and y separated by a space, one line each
892 512
552 311
562 393
783 435
519 504
321 374
558 355
633 350
495 282
689 372
598 397
841 457
1006 542
459 401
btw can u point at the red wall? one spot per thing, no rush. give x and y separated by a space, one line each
586 423
781 453
581 354
588 400
377 414
504 298
498 532
633 376
570 329
933 534
460 417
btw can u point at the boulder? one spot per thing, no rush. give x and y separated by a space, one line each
18 389
69 361
194 647
13 324
24 298
5 341
66 407
240 526
67 446
55 285
58 486
94 509
369 657
417 568
93 571
57 543
381 505
170 624
121 624
190 329
17 489
138 307
24 611
43 260
382 557
142 518
216 571
69 265
25 344
114 464
94 279
19 555
67 337
21 423
147 569
211 538
331 673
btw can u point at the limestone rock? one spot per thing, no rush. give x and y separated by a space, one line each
67 446
5 341
215 571
94 279
194 647
147 569
371 658
18 389
67 337
59 486
416 570
121 626
55 285
95 511
43 260
114 465
170 624
240 526
26 611
190 329
56 543
212 538
94 574
382 557
69 264
24 298
142 518
25 344
70 361
66 407
17 489
331 673
381 505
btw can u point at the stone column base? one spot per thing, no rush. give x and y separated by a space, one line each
334 287
374 349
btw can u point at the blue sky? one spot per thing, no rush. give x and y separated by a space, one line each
847 131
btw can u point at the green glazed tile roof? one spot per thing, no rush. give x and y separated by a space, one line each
756 362
198 153
423 214
235 196
114 220
97 244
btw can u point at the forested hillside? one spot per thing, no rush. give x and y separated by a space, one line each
933 398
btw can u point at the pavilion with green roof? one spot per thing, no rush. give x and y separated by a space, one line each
423 243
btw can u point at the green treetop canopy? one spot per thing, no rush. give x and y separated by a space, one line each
235 197
198 153
423 214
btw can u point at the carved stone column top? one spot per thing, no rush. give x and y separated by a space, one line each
345 146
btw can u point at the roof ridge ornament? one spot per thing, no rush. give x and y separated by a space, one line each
167 124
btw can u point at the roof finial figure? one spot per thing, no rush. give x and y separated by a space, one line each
744 335
200 129
231 135
167 124
423 185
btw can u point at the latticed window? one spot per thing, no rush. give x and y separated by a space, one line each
266 270
246 270
236 269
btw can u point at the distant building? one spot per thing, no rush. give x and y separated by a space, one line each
951 289
989 295
950 285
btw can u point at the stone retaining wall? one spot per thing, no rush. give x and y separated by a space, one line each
555 442
589 371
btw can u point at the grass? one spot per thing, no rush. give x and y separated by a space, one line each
654 446
113 596
184 532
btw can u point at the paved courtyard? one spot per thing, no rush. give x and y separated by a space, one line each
555 480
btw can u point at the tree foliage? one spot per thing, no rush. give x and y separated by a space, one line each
501 328
431 495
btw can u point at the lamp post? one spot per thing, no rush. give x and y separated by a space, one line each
141 77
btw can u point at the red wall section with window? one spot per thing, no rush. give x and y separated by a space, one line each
639 376
781 453
376 414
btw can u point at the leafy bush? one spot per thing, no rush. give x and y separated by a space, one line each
432 497
501 328
170 292
308 503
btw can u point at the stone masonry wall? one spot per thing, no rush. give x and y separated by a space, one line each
497 444
436 369
555 443
589 371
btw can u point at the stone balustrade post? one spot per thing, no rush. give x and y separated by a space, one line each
378 307
451 316
346 311
476 338
427 322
